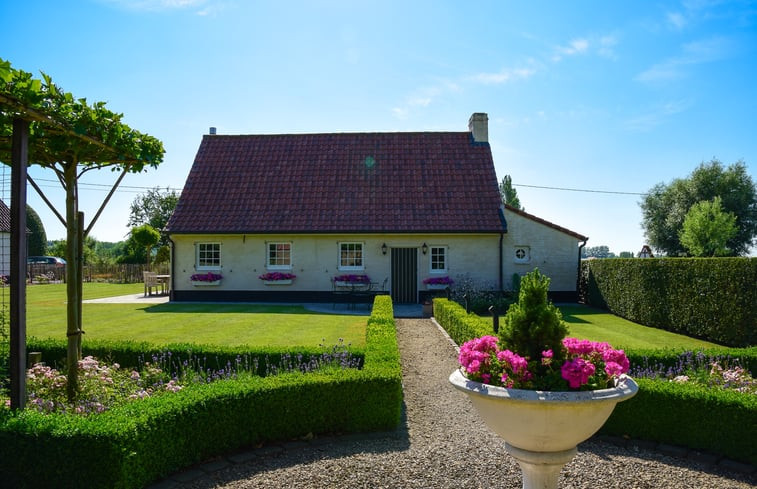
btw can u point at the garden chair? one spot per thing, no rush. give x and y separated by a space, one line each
151 282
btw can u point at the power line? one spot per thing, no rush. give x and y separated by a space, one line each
104 186
578 189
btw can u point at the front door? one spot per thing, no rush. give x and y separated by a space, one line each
404 275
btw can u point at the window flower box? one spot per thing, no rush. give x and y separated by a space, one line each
351 280
277 278
206 279
437 283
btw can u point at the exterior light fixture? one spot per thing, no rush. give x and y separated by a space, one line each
383 249
424 248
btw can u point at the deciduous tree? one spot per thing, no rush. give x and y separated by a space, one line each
665 206
707 229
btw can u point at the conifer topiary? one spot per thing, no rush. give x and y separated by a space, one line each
533 324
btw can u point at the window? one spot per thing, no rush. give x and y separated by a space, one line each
208 256
351 256
438 259
522 254
279 256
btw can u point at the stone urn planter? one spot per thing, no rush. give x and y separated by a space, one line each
541 429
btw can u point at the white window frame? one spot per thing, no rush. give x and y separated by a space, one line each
445 256
277 266
340 263
526 255
202 263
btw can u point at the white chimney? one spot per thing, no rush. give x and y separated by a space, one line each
478 125
212 131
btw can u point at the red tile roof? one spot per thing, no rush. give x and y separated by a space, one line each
340 183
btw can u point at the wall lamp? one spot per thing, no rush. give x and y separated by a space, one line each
383 249
424 248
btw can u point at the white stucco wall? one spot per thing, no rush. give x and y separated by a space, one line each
315 258
553 252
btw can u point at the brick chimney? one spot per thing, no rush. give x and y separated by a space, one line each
478 125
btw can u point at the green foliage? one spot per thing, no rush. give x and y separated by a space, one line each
154 207
508 193
533 324
67 130
707 229
134 444
665 207
690 415
710 298
458 324
145 236
36 244
602 251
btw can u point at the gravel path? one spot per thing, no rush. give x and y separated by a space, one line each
441 443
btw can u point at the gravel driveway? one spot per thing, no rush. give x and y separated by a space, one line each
442 443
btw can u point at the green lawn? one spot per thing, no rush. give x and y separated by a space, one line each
597 325
218 324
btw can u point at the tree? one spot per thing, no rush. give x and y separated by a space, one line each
626 254
665 207
70 137
37 239
509 194
707 229
147 237
602 251
154 208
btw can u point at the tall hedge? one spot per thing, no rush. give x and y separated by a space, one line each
710 298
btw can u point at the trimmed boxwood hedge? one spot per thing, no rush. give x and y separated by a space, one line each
694 416
460 326
710 298
713 420
129 446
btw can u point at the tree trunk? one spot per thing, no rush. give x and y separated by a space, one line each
73 306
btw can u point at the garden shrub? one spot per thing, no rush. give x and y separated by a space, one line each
135 443
711 420
710 298
460 326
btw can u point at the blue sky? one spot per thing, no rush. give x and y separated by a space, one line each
599 96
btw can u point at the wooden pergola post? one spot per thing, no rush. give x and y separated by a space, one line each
19 162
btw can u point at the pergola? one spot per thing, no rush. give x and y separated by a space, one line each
40 124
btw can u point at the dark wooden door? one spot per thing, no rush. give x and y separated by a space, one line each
404 275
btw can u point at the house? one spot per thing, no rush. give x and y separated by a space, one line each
399 207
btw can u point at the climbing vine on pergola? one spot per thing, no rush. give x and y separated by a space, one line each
40 124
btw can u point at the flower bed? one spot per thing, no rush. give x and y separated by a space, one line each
135 443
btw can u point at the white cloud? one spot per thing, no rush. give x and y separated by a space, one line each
576 46
163 5
503 76
693 53
656 116
676 20
607 47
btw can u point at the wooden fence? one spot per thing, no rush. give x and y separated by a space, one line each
122 273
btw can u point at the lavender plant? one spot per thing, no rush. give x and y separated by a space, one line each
103 386
696 367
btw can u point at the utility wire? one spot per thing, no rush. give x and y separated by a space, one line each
578 189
